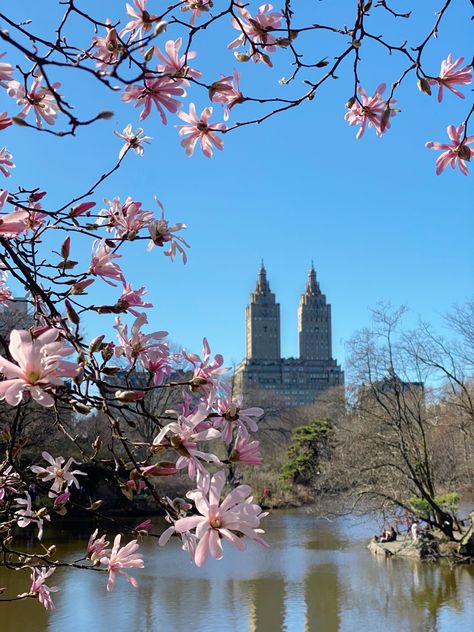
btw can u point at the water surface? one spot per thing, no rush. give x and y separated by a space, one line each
317 576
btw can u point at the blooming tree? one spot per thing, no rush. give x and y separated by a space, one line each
146 56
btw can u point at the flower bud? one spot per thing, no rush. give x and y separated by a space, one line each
111 370
424 85
19 121
322 63
129 396
385 118
95 343
355 43
105 115
160 27
241 57
95 505
149 53
350 103
78 288
81 408
282 42
66 248
81 208
464 152
71 313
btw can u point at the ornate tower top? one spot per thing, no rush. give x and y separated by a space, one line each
263 321
312 286
314 322
263 286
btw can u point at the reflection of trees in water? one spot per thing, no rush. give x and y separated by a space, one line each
404 594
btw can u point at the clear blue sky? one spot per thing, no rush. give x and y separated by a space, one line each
372 214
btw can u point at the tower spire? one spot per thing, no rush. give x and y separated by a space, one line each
312 286
263 286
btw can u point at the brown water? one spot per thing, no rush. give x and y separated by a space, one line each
317 577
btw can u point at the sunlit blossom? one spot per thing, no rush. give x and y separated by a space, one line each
40 369
59 471
39 588
159 91
456 154
232 519
133 140
6 161
451 75
41 98
120 558
199 129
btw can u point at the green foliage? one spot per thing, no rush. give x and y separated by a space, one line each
447 502
420 507
307 444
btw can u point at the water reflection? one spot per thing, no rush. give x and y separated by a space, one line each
317 577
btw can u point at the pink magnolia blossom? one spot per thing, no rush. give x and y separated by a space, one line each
142 20
246 452
451 75
39 588
370 111
158 363
59 472
120 558
27 516
175 65
131 298
458 153
109 48
233 518
5 120
39 97
34 216
5 294
6 161
156 90
11 224
232 416
126 220
161 233
133 140
40 366
256 29
227 92
139 344
6 72
185 433
97 547
8 477
102 263
200 129
196 7
206 374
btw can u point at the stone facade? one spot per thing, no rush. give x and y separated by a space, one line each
293 381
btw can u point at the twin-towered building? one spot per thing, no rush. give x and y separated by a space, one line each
293 381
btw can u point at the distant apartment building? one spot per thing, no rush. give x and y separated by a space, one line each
293 381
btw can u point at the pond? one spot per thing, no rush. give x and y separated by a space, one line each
318 576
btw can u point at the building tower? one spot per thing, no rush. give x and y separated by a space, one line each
262 322
314 323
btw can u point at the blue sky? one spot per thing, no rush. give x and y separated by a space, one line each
372 214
